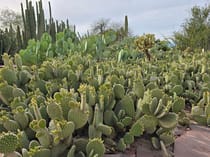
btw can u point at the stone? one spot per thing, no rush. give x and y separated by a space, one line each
145 149
119 155
194 143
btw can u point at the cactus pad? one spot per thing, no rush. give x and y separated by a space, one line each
119 91
8 142
97 146
169 121
77 116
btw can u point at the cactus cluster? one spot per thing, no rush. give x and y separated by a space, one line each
79 106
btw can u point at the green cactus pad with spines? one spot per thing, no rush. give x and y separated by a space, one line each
18 92
40 152
137 128
158 93
23 77
178 89
183 120
68 129
127 105
160 108
120 125
54 111
144 107
167 138
128 138
8 142
153 105
127 121
138 88
110 118
178 104
11 125
81 144
150 123
151 85
6 93
8 75
168 121
97 145
105 129
78 116
44 138
33 144
21 117
119 91
121 146
143 104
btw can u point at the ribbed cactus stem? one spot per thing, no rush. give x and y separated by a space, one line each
19 38
126 26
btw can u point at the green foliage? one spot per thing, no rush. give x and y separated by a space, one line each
68 105
195 33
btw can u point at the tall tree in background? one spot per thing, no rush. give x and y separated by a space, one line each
196 30
8 17
100 26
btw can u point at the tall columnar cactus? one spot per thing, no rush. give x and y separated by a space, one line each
126 25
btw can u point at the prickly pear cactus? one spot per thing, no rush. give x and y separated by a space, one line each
8 142
95 147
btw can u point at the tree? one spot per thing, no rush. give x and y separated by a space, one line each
103 25
196 30
8 17
100 26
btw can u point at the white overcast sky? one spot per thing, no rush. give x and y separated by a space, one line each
161 17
